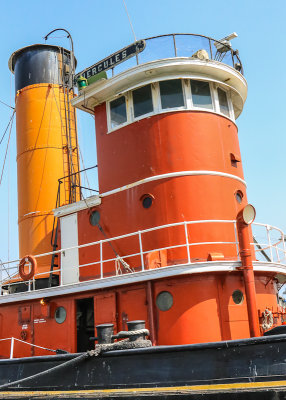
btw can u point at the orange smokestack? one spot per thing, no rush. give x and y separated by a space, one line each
47 147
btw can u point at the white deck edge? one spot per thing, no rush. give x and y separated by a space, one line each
143 276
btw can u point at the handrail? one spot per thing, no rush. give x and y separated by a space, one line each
217 49
12 346
272 246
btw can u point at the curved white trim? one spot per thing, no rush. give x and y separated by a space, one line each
143 276
171 175
152 71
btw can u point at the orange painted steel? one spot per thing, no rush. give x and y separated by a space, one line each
248 274
42 158
175 142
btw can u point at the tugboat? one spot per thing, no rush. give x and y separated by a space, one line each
159 283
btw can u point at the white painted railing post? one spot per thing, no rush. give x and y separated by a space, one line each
269 242
277 253
236 240
12 348
284 249
101 263
141 250
187 242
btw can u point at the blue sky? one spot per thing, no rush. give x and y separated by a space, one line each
99 28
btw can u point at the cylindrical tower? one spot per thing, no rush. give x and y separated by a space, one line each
47 148
168 148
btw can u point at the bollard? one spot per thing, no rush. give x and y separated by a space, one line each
134 326
105 333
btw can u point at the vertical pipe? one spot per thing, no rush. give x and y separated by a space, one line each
151 313
247 269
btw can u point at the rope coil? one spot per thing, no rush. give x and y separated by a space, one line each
267 320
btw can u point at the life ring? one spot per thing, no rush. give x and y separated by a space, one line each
27 276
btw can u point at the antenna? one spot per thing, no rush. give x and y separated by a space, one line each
129 20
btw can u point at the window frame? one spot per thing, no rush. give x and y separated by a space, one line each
211 93
157 103
108 109
153 103
229 102
184 107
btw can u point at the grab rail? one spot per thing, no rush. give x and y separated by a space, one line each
269 246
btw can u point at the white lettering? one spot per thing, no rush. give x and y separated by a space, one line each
105 64
93 71
117 58
99 67
88 74
111 62
124 54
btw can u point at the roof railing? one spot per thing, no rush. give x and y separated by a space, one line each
178 45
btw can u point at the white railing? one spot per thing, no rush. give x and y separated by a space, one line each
13 340
111 256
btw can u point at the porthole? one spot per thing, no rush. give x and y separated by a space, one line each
239 196
94 218
147 200
237 297
164 301
60 315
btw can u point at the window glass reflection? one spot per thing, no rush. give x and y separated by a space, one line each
118 112
142 101
171 93
201 94
223 105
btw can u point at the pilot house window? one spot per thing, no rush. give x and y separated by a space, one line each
118 112
201 94
168 96
142 101
223 105
171 93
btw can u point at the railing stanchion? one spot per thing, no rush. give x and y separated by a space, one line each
175 47
141 249
187 242
236 240
12 348
211 50
284 249
101 263
269 242
277 253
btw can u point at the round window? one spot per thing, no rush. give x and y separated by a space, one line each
239 196
94 218
147 200
60 315
237 297
164 301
